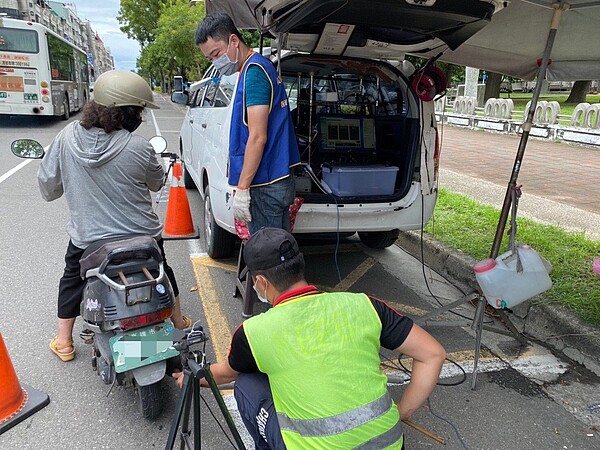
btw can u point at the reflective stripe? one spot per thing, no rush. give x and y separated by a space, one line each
384 440
339 423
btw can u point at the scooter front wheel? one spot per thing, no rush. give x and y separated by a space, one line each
150 400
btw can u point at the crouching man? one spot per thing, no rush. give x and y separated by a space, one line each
307 372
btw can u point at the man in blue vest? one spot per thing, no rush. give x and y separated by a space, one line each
308 371
262 141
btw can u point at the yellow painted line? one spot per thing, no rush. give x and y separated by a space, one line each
355 275
209 262
218 328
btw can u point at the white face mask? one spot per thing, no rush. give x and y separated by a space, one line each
259 295
224 65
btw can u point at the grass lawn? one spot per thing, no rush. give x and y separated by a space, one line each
464 224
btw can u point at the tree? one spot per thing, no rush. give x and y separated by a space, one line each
579 92
139 19
492 86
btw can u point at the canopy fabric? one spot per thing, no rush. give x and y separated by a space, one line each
514 40
510 44
240 11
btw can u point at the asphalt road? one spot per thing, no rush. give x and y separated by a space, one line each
525 397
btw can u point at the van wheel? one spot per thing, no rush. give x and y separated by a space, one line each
379 239
220 243
188 182
66 113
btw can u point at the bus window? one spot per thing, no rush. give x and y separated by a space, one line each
20 41
61 59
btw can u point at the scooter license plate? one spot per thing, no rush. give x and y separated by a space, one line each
143 346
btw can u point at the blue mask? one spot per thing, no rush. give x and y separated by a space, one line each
224 65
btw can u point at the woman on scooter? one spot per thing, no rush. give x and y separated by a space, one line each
106 174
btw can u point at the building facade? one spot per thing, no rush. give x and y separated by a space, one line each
62 18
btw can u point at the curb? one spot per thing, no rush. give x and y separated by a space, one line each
549 323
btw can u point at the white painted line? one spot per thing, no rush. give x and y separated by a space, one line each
155 123
237 419
14 170
196 250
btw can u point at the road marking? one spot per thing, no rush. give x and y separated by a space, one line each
355 275
14 170
206 260
219 331
155 123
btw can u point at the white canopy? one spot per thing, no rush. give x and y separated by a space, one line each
514 40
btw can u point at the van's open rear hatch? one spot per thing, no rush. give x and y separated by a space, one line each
393 27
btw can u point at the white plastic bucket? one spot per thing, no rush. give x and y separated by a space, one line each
503 286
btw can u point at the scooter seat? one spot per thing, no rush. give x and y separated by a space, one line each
117 251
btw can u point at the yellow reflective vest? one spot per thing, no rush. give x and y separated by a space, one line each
321 353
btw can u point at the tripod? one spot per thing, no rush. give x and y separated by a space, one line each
195 367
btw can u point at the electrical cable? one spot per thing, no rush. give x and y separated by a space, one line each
434 414
422 250
217 421
322 185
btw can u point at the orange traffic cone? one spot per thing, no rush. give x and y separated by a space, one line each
178 223
177 171
16 403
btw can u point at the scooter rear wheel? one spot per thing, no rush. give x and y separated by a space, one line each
150 400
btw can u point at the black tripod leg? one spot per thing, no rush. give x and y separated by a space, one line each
183 409
196 391
219 398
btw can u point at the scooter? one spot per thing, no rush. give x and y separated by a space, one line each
126 305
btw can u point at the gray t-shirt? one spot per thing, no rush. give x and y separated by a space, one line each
106 180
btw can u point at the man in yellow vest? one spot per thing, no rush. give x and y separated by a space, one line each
308 371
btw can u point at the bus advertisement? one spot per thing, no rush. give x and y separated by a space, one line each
40 72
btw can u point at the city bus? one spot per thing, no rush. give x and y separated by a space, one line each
41 73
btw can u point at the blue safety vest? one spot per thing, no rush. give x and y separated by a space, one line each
281 150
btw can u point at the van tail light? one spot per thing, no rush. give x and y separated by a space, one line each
436 155
145 320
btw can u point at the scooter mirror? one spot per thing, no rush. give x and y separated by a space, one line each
27 148
159 144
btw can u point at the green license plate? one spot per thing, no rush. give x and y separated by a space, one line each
3 95
143 346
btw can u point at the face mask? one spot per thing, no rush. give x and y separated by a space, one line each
224 65
260 297
133 125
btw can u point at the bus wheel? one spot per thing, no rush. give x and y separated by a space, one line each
66 113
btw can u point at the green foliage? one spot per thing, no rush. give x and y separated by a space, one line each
165 30
139 19
466 225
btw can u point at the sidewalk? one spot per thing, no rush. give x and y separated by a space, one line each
559 188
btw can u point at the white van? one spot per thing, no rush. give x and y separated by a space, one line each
368 142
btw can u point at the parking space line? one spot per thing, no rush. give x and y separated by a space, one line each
209 262
218 329
355 275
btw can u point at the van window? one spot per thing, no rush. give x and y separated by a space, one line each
220 91
199 95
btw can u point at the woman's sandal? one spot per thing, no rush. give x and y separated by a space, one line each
187 320
55 347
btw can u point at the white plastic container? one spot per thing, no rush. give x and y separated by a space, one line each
360 180
503 286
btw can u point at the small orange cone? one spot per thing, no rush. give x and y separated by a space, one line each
178 223
16 403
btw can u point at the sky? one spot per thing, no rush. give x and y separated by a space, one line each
102 15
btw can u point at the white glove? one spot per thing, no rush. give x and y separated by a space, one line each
241 205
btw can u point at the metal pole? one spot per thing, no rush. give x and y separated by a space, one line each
558 10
